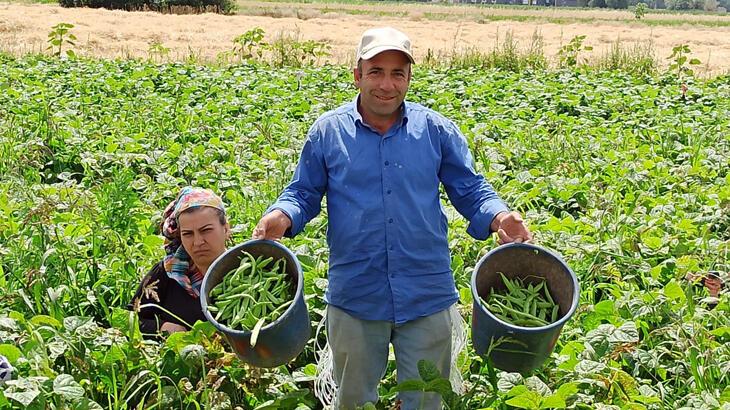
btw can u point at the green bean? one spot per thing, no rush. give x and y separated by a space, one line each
522 301
521 314
256 292
255 331
548 296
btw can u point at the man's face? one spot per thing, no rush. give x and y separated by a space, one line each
383 82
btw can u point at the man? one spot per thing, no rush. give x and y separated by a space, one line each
380 161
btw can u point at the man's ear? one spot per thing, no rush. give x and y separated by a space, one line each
357 75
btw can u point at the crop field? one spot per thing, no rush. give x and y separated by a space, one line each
626 175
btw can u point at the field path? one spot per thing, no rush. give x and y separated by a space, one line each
105 33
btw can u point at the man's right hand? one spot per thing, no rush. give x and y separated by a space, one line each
272 226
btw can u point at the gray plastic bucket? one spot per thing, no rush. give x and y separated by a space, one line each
523 348
280 341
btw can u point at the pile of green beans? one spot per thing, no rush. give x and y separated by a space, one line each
257 292
521 304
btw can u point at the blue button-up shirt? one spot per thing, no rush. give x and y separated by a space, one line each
387 233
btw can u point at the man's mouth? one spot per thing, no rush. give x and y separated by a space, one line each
381 98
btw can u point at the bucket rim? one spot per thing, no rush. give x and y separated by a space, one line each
238 248
524 329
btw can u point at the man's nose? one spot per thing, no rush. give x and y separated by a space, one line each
387 83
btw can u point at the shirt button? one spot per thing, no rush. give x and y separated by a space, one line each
391 247
388 192
390 220
387 163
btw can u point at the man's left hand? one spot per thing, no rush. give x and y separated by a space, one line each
510 227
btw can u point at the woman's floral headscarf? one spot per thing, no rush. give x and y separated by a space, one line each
177 261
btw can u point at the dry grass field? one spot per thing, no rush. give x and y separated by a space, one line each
120 34
473 12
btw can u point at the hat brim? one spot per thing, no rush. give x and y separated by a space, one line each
377 50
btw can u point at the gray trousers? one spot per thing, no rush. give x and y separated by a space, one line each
360 355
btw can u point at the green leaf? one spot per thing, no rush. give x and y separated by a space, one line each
526 400
567 390
124 320
198 150
554 401
645 399
725 396
178 340
598 338
604 308
441 386
627 383
428 370
71 323
153 241
56 348
86 404
409 385
674 291
466 296
115 354
45 320
653 242
268 405
508 380
11 352
626 333
517 390
68 388
588 367
310 369
535 384
23 397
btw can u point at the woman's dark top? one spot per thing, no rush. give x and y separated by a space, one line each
171 296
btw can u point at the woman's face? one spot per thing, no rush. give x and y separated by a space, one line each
203 235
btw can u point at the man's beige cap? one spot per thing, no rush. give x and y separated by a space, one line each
377 40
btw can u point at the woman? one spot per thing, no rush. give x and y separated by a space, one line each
195 230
